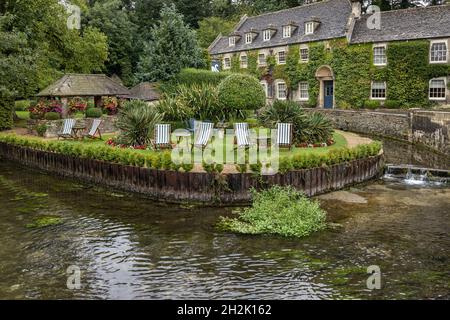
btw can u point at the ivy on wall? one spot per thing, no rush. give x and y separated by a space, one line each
407 73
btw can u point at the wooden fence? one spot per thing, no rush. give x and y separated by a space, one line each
172 186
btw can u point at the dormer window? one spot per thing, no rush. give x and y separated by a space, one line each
287 31
309 27
267 35
232 41
248 38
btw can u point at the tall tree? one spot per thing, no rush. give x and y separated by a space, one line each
211 27
173 46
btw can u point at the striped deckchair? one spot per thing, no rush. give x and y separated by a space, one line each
242 135
284 135
162 136
67 129
203 134
95 129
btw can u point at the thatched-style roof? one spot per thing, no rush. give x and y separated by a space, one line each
87 85
145 91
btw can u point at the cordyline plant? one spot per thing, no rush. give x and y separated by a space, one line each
136 121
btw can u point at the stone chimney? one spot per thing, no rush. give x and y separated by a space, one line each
356 8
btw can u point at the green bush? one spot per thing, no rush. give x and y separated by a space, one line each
280 111
41 129
94 113
240 92
392 104
6 109
136 121
22 105
279 211
52 116
372 104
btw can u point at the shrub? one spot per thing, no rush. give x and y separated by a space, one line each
198 76
136 121
372 104
41 129
280 111
241 92
94 113
22 105
392 104
279 210
52 116
6 109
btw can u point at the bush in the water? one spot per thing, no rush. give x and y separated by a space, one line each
279 210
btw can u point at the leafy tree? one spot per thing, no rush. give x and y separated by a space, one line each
173 46
210 27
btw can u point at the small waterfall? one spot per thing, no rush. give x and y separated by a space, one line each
411 175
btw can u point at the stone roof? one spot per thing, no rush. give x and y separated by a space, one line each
145 91
79 85
406 24
332 14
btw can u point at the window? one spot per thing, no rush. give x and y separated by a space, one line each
262 59
232 41
281 57
437 89
379 56
303 89
248 38
244 62
267 34
438 52
304 54
287 31
309 28
378 90
281 91
227 63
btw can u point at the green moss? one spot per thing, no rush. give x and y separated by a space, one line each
44 221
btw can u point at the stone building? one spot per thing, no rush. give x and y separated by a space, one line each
281 48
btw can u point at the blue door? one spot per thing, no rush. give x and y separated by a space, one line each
328 94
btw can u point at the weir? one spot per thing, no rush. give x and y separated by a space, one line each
414 175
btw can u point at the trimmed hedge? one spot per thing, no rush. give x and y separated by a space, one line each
241 92
6 110
94 113
52 116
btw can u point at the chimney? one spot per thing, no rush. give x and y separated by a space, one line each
356 8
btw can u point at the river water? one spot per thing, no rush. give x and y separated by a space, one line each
127 247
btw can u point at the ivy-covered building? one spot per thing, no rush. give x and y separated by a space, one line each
329 54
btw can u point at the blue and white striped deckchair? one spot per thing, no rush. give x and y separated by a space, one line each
95 128
67 129
242 135
284 135
162 136
203 134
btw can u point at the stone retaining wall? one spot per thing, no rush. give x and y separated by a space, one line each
429 128
172 186
54 126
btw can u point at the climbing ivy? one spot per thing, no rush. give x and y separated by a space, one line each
407 73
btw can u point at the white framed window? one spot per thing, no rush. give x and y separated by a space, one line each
281 56
227 63
304 54
379 55
248 38
309 28
262 59
438 89
287 31
281 90
439 51
244 61
303 91
378 90
231 41
267 35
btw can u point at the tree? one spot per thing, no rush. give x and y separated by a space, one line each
173 46
211 27
112 18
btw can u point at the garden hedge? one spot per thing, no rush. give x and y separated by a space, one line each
241 92
6 109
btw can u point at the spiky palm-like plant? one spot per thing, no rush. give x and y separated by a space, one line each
136 121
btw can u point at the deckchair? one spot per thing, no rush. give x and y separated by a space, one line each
162 137
284 135
203 134
193 124
95 129
67 129
242 135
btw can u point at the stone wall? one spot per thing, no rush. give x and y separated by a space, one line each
429 128
54 126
